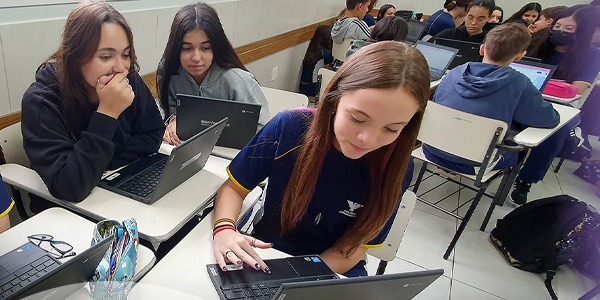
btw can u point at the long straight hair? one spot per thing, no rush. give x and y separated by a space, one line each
519 14
190 18
80 40
581 51
320 41
382 65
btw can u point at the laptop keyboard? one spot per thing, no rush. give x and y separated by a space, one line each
26 275
255 291
145 183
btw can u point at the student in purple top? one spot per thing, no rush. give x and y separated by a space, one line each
335 174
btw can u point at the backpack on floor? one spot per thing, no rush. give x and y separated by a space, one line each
543 234
589 170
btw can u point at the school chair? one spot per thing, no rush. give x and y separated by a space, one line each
11 142
471 137
338 52
387 252
280 100
324 77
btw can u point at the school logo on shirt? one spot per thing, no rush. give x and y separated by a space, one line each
351 212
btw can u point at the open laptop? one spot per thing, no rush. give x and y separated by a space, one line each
31 270
195 113
467 51
415 29
151 177
298 277
538 73
438 58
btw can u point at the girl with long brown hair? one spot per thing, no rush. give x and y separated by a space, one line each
88 109
335 174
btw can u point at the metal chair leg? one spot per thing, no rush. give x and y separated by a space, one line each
381 267
19 203
420 177
465 220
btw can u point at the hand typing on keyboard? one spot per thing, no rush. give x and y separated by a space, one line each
230 245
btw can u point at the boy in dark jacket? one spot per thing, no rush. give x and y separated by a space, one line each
493 89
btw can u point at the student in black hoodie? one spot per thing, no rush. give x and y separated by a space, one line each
478 13
88 109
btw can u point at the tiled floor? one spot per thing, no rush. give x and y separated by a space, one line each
476 270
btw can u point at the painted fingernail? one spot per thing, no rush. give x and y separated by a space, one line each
239 262
272 244
257 266
267 271
224 268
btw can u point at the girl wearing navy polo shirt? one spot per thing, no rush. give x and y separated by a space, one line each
6 204
335 174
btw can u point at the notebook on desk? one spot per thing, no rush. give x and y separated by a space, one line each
538 73
438 58
151 177
195 113
30 270
308 277
467 51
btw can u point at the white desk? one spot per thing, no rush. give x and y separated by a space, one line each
568 101
280 100
182 271
226 153
533 136
156 222
69 227
434 84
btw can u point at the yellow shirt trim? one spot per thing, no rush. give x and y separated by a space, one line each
12 203
371 246
286 153
241 187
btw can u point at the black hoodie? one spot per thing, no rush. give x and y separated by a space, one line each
71 167
460 34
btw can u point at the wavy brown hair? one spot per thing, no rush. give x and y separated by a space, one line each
383 65
80 40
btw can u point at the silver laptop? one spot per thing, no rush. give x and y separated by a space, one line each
151 177
438 58
401 286
195 113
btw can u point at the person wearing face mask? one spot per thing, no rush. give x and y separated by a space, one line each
569 46
540 29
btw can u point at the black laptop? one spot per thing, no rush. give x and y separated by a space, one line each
415 29
30 270
195 113
308 277
438 58
538 73
467 51
151 177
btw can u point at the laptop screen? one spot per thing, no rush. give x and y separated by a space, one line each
415 29
539 74
437 58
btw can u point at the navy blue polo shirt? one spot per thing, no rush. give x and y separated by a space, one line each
341 192
6 203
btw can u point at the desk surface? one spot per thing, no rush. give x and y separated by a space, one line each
533 136
183 270
69 227
156 222
568 101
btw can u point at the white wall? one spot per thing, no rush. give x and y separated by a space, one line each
509 6
29 35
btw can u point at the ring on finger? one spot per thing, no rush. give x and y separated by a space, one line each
253 242
228 251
